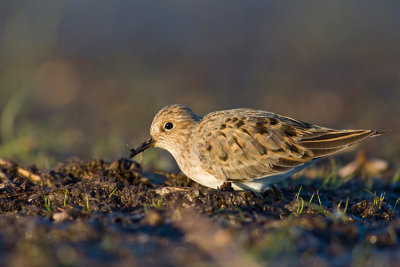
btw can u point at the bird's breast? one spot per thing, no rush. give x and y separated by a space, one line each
189 161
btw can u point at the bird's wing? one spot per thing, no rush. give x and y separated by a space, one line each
260 144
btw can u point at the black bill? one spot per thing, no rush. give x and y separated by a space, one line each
145 145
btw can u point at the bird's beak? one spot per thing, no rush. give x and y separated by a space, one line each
145 145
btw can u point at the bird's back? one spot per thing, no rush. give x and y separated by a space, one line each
244 145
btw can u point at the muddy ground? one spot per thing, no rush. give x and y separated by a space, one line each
97 213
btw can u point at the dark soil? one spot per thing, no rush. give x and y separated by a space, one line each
96 213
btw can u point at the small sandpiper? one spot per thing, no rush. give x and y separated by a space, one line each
245 148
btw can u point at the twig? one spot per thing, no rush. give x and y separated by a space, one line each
23 172
29 175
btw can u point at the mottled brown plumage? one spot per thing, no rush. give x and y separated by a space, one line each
250 148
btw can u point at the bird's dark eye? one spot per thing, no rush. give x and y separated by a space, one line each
169 126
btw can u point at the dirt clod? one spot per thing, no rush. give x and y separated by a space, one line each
99 213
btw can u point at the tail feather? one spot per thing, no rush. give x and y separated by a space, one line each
333 141
336 140
325 152
378 133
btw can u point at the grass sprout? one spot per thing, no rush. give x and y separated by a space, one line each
319 199
47 204
378 200
298 194
300 202
395 204
343 213
310 201
87 203
112 193
157 204
345 207
65 197
300 207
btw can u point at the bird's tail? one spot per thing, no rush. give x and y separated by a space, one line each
329 141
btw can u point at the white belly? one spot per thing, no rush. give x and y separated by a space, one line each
191 167
204 178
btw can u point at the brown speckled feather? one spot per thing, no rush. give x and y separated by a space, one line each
243 145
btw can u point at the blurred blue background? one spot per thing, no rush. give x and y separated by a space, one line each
83 78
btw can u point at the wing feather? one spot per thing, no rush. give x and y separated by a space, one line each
243 145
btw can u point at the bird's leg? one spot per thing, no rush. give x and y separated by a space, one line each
274 191
226 186
277 192
258 195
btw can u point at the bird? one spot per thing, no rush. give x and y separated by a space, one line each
243 148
